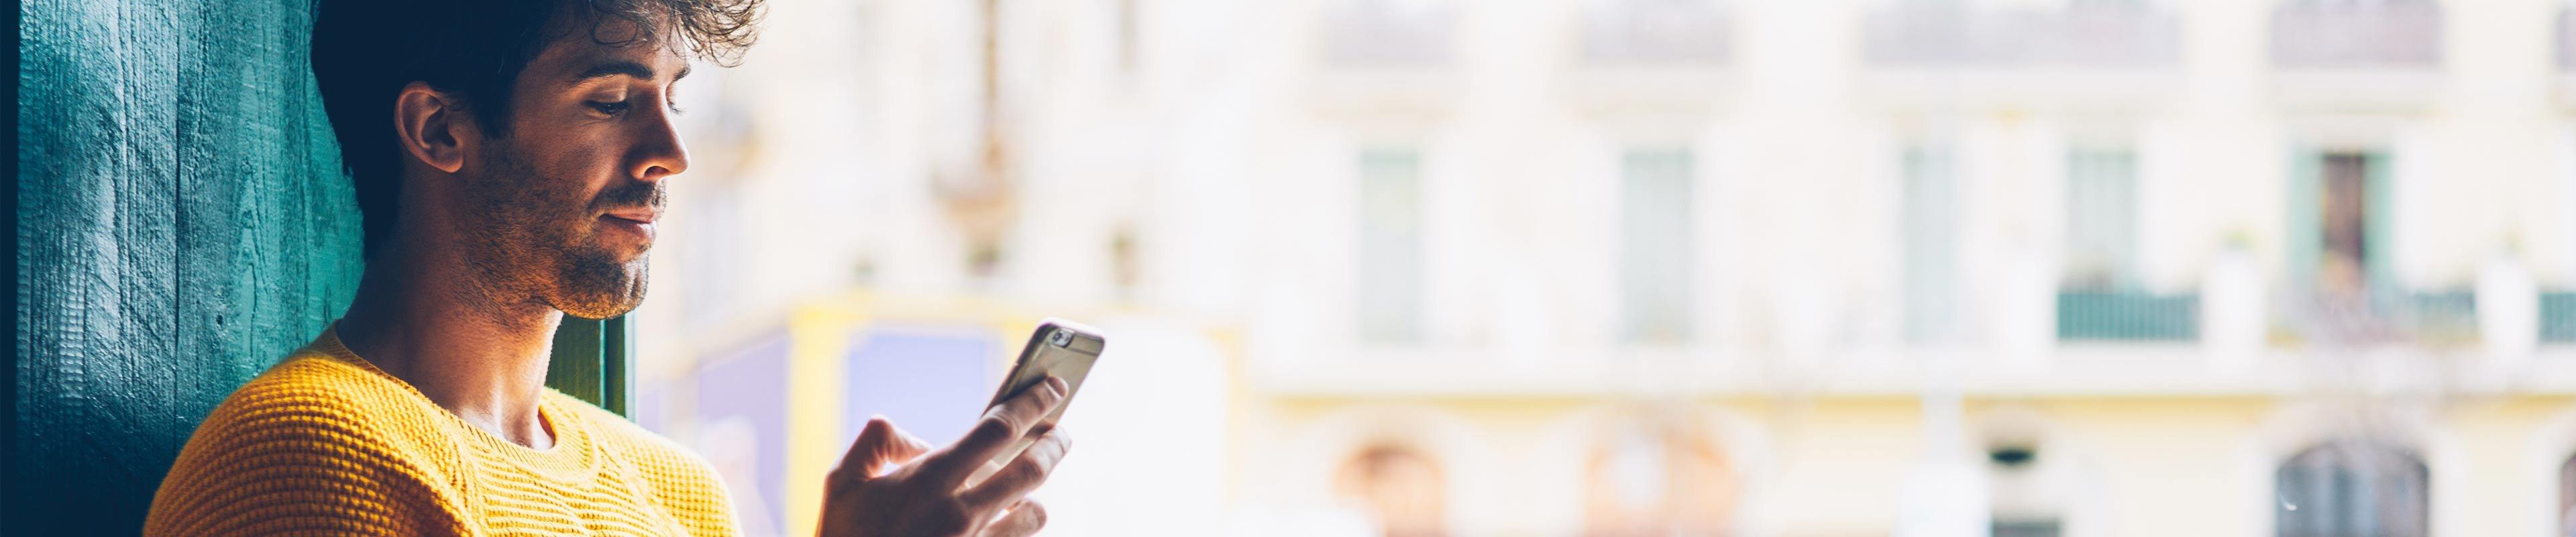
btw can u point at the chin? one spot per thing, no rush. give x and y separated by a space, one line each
597 287
601 309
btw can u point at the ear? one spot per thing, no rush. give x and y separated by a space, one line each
430 126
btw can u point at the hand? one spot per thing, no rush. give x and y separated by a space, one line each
892 484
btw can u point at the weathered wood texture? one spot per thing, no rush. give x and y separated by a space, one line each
184 223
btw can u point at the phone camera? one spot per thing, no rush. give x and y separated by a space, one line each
1061 338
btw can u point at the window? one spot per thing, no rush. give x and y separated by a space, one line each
1929 221
1658 478
2344 231
2567 36
1389 33
2339 220
1390 287
1127 28
2015 34
1400 487
1655 32
2351 488
2025 503
2099 296
2025 527
2101 219
2340 255
2346 34
1655 251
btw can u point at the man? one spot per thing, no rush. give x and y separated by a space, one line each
510 159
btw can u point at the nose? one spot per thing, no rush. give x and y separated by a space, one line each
658 152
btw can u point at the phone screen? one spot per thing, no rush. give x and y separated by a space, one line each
1058 347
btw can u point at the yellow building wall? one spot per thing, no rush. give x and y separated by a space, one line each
1835 466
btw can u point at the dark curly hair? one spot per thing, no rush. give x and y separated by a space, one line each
365 51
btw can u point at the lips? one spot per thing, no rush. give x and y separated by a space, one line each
640 215
636 221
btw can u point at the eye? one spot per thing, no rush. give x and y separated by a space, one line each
610 107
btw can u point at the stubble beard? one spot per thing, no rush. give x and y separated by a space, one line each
535 241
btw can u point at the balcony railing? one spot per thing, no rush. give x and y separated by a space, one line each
2451 314
2310 34
2083 35
2386 314
1656 32
1379 33
2558 317
2127 316
2443 313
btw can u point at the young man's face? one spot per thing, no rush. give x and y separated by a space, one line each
563 208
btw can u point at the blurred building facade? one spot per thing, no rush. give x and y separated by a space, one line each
1656 267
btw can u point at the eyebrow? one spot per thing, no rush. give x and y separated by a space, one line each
622 67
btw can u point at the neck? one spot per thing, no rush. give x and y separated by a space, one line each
421 315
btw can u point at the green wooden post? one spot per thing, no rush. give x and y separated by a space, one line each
592 360
617 366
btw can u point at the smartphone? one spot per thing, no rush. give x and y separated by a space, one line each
1059 347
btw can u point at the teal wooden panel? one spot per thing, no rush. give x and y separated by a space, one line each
184 224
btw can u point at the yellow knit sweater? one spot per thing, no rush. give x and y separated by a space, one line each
326 444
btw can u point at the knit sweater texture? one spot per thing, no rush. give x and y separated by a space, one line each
325 443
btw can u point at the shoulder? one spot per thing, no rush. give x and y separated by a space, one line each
329 401
314 442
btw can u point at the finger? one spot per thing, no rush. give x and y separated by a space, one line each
879 446
913 446
1001 426
1024 520
1024 473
